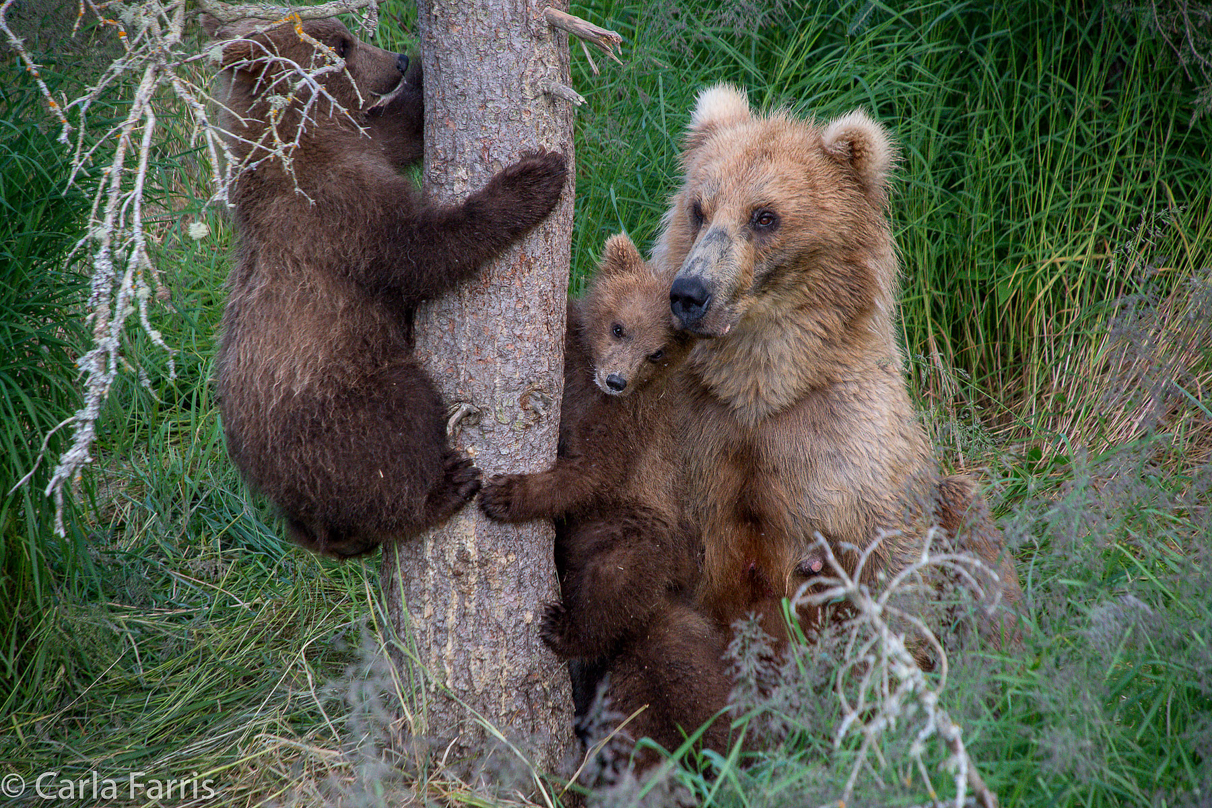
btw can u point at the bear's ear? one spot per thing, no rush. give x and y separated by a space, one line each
619 256
858 142
717 106
210 24
232 42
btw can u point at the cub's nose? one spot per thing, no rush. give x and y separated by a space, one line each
689 300
616 382
402 63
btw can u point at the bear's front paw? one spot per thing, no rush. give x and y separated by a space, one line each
554 629
459 485
501 497
462 476
543 166
527 190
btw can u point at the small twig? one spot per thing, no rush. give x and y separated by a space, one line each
589 58
459 412
883 674
606 40
563 91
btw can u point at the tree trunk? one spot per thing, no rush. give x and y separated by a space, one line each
468 596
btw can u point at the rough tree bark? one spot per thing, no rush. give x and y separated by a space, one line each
469 594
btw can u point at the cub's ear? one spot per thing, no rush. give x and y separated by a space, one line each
210 24
718 106
855 140
232 40
619 256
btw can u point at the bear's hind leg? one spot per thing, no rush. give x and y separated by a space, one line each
377 465
618 574
328 540
674 678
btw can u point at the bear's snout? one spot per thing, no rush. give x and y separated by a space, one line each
689 300
616 383
402 63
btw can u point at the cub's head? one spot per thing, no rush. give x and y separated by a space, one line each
280 76
777 214
626 327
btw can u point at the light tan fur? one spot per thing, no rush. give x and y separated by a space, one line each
794 414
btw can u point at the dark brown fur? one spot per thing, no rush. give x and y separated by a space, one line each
615 442
327 413
794 414
628 565
672 677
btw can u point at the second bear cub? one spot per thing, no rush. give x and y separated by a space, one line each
616 459
628 565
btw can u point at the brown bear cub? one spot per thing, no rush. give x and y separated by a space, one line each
620 347
326 411
793 412
627 564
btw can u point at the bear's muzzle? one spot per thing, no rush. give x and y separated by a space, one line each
706 276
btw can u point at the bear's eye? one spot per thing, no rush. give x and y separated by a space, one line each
342 48
764 219
617 330
656 355
696 214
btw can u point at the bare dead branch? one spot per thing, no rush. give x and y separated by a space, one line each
879 678
604 39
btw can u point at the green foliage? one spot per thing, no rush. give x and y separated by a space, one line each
1054 216
39 340
1037 189
1106 703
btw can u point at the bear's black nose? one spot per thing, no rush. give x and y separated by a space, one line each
689 300
402 63
616 382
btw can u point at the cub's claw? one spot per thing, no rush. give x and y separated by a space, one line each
498 497
463 476
553 628
460 483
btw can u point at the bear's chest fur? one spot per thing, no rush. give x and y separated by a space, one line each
839 462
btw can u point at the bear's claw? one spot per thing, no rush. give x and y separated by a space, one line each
553 628
498 497
463 476
460 484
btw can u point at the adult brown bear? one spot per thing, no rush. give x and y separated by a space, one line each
326 411
794 414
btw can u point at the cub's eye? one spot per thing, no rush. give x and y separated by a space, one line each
657 355
696 214
764 219
617 330
343 46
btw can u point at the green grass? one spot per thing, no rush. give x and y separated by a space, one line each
38 344
1054 215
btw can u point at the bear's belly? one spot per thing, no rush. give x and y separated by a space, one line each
762 495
